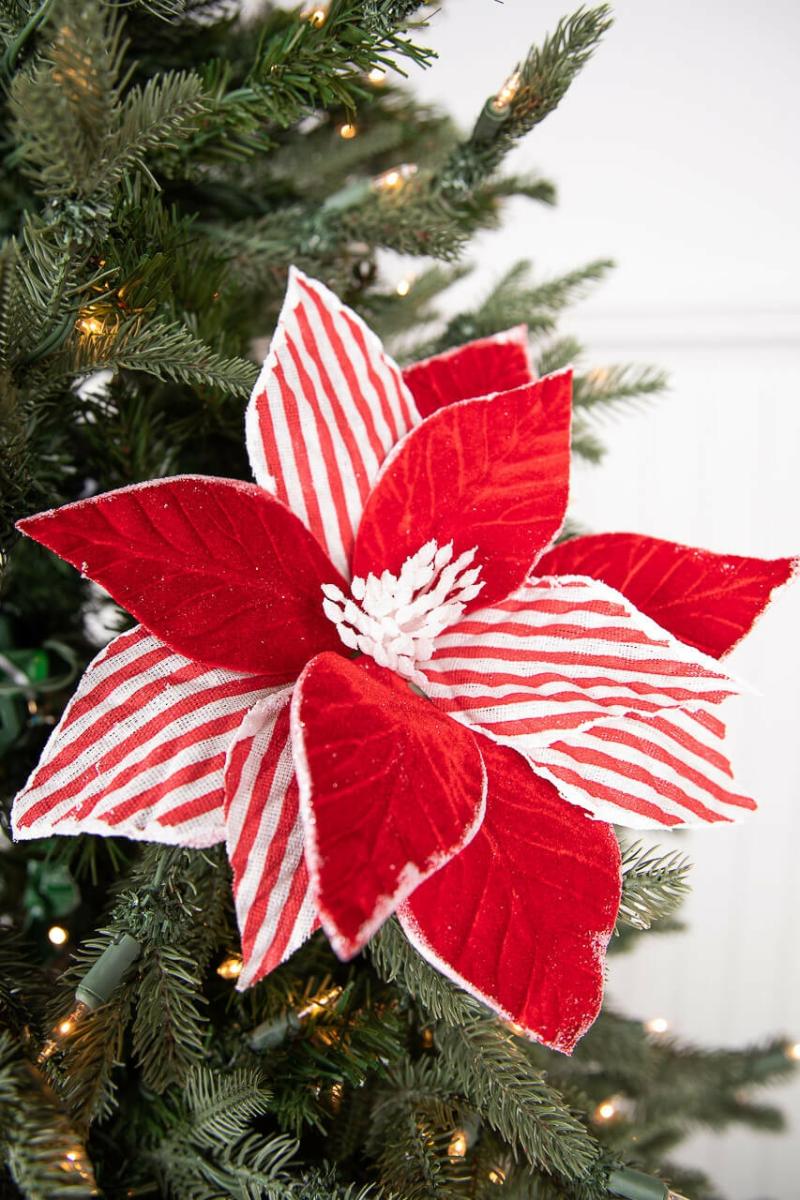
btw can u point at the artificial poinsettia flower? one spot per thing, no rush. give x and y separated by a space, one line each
349 672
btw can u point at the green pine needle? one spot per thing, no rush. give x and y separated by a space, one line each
653 885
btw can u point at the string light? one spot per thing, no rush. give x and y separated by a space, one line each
318 1005
635 1185
231 967
67 1025
89 324
426 1038
95 988
508 91
793 1052
377 77
358 190
497 1176
458 1145
497 109
605 1111
395 178
598 376
463 1138
75 1162
347 131
58 935
61 1031
274 1032
316 15
404 285
657 1025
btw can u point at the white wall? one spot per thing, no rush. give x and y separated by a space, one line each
675 153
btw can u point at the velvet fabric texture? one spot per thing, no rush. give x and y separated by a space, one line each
559 688
707 600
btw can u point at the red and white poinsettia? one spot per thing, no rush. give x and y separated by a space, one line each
370 675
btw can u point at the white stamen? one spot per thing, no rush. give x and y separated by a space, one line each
397 617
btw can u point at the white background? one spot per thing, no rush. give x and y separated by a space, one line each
676 154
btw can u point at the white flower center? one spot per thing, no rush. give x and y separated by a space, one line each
397 617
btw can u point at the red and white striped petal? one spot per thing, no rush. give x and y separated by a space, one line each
648 772
275 905
559 654
491 364
140 749
327 408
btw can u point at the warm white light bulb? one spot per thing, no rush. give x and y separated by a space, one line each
793 1052
458 1145
605 1111
316 15
347 131
393 179
403 286
89 325
58 935
376 76
657 1025
230 968
507 92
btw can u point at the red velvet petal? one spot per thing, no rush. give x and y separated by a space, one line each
218 569
488 365
390 789
522 916
707 600
490 473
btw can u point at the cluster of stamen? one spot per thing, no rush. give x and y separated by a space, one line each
396 618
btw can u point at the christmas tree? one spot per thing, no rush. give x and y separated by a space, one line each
167 163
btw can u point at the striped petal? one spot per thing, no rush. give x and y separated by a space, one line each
272 891
480 368
327 408
140 749
557 656
522 916
648 772
707 600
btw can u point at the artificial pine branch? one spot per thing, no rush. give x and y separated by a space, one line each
396 961
516 300
603 389
490 1070
160 177
44 1152
653 885
165 350
544 78
413 1119
204 1148
498 1081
